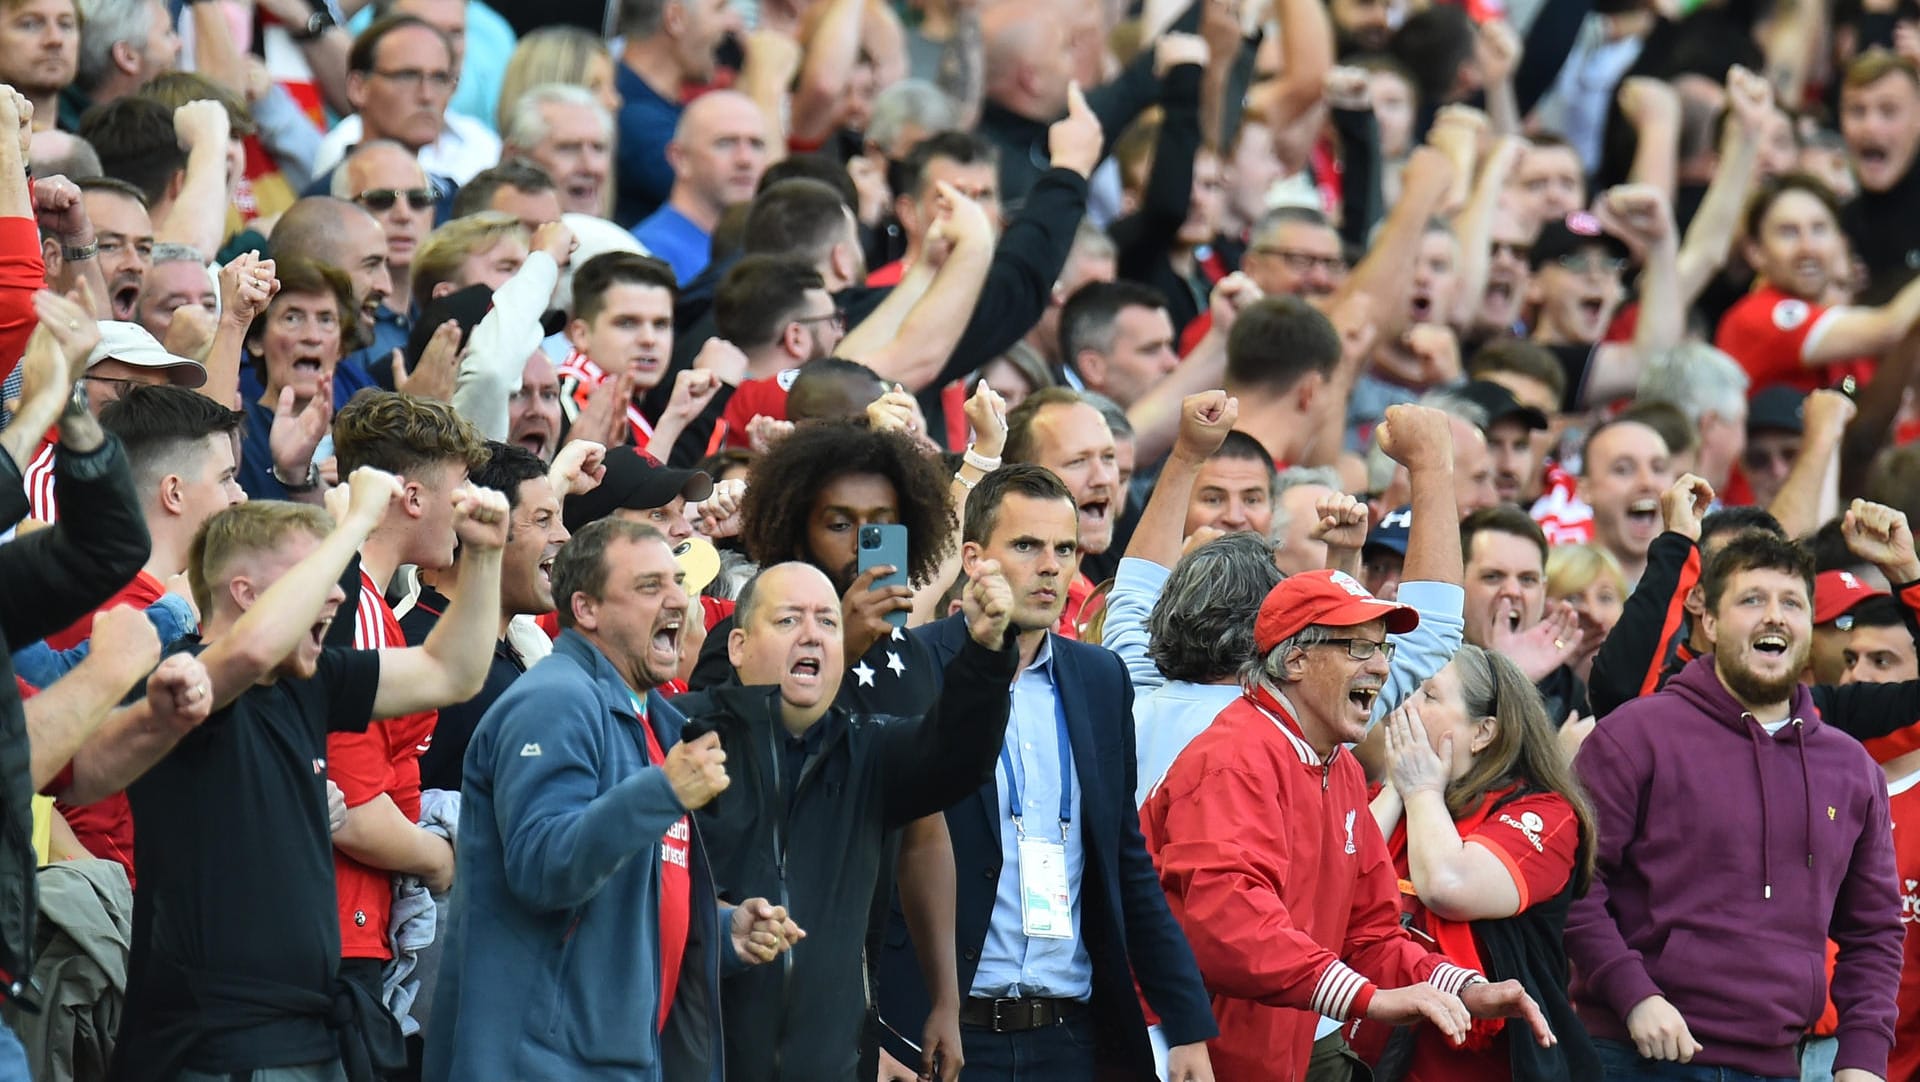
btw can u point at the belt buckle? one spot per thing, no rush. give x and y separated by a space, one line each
999 1006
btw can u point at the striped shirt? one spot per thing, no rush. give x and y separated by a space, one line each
579 378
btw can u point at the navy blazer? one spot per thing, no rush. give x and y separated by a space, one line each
1126 925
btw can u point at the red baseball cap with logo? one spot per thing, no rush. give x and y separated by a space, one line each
1835 593
1329 598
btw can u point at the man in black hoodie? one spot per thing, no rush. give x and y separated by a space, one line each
816 789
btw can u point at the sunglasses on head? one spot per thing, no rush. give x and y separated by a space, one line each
380 200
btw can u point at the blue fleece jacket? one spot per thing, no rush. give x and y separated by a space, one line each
1726 858
552 962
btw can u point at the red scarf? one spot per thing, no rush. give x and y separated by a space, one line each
1451 937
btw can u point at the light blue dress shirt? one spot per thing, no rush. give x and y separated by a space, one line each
1011 964
1168 714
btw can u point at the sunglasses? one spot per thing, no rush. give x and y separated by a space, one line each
381 200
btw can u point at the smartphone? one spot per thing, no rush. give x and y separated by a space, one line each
885 545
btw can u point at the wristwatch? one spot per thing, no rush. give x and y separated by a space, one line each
318 23
80 254
77 402
312 482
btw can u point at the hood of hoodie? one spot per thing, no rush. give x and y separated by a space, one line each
1700 686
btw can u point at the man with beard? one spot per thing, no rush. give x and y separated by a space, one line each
1721 963
338 234
1786 331
123 229
387 182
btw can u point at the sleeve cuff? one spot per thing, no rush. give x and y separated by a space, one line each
1862 1050
1451 978
1341 992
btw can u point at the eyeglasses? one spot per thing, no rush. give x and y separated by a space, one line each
1587 264
1361 649
118 386
1301 262
413 78
1520 252
838 317
381 200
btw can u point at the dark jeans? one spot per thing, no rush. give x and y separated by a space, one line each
1062 1053
1621 1063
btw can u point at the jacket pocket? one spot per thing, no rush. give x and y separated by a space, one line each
1741 989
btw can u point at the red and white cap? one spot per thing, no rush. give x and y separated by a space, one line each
1329 598
1835 593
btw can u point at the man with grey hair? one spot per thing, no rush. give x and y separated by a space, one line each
177 280
1186 634
718 152
902 115
1711 389
566 131
123 43
1117 337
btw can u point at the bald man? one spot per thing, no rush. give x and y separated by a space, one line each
718 152
384 179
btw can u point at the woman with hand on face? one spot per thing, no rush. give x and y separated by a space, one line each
1492 838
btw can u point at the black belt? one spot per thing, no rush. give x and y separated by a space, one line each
1020 1015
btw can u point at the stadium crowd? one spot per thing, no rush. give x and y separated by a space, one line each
1025 540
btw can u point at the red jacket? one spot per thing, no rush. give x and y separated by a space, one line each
1275 869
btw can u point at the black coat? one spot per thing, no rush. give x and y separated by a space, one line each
819 851
49 579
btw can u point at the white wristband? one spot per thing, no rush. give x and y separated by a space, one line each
980 462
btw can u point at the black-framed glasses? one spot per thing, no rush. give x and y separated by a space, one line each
1300 262
118 385
1360 649
1520 252
381 200
838 317
414 78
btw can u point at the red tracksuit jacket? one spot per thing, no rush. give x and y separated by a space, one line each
1278 874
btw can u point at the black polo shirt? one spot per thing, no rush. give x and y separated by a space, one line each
235 932
442 763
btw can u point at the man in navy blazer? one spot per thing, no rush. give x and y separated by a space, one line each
1059 911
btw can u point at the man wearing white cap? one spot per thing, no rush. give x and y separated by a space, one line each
127 356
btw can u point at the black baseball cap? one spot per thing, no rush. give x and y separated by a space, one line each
634 481
1500 405
1777 408
1579 229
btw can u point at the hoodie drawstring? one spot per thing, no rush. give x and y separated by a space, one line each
1806 784
1749 723
1806 797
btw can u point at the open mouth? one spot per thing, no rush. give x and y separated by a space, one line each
805 670
125 300
1592 308
583 190
1094 511
1772 644
1872 157
1499 292
1644 513
1421 308
1363 698
308 366
546 570
666 640
535 442
317 634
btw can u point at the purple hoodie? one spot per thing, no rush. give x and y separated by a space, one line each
1727 858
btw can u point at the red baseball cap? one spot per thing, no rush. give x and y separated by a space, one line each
1835 593
1330 598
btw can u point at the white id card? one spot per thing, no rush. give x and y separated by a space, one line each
1046 909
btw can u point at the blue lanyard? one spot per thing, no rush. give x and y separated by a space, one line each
1065 752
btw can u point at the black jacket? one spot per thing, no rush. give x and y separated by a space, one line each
818 851
1144 238
1649 642
49 579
